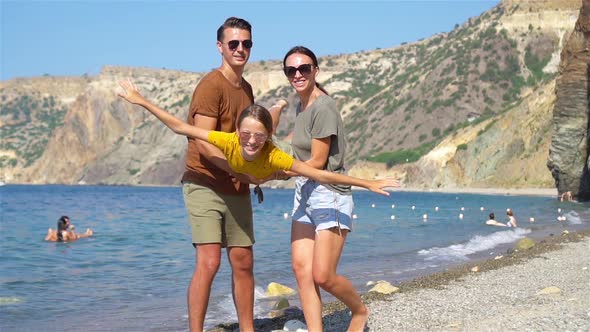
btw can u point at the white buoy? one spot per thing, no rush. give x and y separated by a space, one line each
462 209
425 216
393 206
413 207
558 210
373 205
481 208
436 208
354 216
460 215
285 215
531 219
392 217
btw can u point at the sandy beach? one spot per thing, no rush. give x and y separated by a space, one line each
545 288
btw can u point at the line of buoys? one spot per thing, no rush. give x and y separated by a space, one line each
436 208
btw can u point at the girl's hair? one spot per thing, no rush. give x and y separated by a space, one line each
509 212
305 51
259 114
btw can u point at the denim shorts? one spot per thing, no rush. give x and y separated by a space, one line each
321 207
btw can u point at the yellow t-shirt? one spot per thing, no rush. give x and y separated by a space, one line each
271 158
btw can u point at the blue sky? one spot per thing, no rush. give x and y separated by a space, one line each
76 37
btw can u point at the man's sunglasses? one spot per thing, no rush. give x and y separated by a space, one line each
303 69
233 44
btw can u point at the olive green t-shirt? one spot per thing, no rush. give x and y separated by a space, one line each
320 120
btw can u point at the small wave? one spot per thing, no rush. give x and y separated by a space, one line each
8 300
476 244
573 218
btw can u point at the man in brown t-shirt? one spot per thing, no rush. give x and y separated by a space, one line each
217 202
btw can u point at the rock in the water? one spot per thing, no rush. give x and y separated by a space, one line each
276 289
524 244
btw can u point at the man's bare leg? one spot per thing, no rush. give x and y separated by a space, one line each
199 289
241 260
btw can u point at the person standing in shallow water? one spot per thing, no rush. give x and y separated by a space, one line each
511 219
322 214
217 200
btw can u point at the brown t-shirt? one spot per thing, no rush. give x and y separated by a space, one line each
216 97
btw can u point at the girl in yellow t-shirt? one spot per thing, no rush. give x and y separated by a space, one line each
250 150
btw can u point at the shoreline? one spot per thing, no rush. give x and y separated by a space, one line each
420 302
549 192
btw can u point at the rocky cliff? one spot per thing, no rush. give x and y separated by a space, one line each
568 155
474 104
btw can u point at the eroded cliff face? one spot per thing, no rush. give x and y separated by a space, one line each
568 154
483 92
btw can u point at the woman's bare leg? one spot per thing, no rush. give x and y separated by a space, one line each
328 249
302 248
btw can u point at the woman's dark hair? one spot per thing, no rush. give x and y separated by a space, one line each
305 51
233 22
492 216
259 113
62 223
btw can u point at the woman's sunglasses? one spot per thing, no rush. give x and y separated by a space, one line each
233 44
303 69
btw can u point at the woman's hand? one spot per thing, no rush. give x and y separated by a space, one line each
377 186
130 92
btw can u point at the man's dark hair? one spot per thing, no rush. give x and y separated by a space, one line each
233 22
492 216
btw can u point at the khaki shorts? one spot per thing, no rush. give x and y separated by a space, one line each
218 218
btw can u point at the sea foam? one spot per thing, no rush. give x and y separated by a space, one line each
476 244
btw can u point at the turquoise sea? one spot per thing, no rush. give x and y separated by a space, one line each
133 274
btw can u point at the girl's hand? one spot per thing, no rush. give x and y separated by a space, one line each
377 185
130 92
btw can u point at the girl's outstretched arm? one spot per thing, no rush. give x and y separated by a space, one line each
132 95
326 177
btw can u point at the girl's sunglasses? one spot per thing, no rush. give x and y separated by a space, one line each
303 70
233 44
258 137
